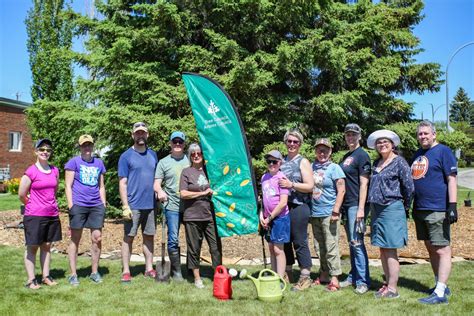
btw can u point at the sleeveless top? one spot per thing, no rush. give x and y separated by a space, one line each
291 169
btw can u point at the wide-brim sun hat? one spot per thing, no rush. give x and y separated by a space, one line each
382 133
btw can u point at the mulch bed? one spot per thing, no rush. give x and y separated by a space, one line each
242 247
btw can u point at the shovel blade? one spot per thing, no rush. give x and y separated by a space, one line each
163 269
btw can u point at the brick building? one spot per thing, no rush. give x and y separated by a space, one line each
16 146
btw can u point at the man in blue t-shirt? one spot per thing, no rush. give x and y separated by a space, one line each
434 173
136 170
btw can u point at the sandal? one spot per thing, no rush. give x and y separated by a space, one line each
33 285
49 281
332 287
318 281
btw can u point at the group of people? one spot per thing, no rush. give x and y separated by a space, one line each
178 181
295 193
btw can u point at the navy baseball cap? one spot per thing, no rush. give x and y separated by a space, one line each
43 141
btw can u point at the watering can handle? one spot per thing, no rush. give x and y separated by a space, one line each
221 269
266 270
284 282
274 273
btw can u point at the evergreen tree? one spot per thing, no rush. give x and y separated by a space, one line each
461 107
314 64
49 45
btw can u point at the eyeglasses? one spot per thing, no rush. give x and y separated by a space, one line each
196 154
139 124
45 149
178 141
382 142
291 142
271 162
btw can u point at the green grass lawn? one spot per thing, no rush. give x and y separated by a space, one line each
145 296
9 202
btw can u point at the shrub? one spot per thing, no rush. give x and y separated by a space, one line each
12 185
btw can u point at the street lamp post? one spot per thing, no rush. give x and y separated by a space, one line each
447 94
433 111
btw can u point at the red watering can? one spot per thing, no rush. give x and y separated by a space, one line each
222 284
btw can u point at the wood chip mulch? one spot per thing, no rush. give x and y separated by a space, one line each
240 247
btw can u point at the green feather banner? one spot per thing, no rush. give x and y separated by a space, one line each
226 154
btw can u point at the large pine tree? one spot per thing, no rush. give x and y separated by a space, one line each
314 64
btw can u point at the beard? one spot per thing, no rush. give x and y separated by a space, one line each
141 141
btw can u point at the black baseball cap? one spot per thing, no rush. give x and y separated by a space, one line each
352 127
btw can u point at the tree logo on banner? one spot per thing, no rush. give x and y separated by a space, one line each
212 108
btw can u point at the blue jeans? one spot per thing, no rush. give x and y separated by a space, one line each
173 221
359 273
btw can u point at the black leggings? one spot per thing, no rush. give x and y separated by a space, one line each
196 231
299 217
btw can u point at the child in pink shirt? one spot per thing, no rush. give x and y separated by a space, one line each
275 218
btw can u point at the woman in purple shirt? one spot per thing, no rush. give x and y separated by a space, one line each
85 194
37 191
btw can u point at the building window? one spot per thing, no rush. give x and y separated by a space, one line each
14 141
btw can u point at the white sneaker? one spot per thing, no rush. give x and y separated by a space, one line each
199 284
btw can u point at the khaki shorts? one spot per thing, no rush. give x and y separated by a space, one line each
432 226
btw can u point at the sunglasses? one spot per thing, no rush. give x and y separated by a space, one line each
178 141
291 142
44 149
196 154
271 162
139 124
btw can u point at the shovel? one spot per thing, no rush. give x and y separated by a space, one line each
162 267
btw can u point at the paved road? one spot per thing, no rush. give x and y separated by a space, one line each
466 178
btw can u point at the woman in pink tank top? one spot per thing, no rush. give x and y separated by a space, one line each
37 191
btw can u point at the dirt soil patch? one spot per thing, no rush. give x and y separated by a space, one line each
240 247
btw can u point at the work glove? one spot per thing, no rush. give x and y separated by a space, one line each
126 212
452 213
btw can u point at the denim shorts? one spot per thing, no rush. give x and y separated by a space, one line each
279 231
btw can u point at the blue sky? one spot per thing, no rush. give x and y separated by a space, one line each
448 24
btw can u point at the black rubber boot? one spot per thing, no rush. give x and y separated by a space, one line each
175 259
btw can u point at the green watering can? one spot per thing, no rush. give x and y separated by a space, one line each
268 285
